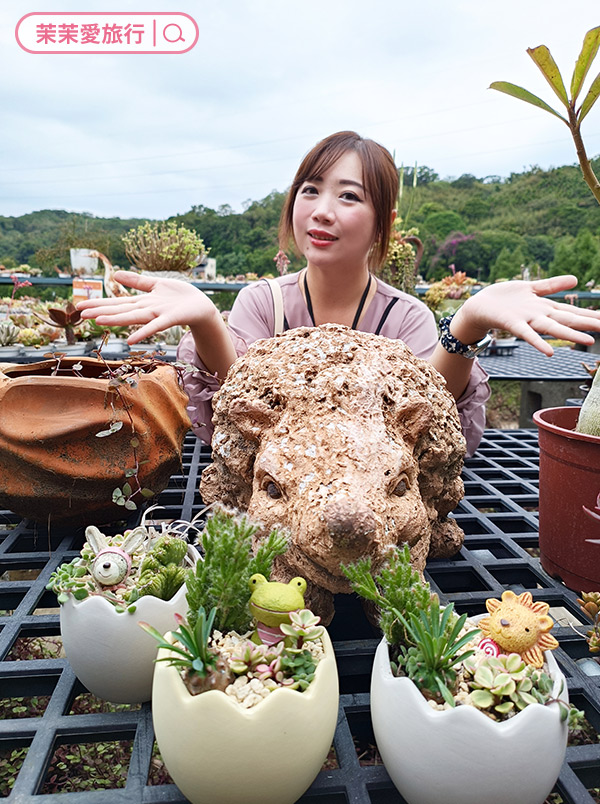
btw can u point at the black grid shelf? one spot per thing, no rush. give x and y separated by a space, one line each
499 517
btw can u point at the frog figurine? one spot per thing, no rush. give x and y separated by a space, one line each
271 603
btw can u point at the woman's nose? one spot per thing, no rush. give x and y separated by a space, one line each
323 210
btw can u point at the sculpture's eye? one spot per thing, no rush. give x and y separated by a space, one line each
401 486
271 487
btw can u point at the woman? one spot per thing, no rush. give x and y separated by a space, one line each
339 213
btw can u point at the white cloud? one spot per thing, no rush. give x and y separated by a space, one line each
149 136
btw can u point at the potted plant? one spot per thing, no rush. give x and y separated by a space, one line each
245 693
115 583
82 439
66 318
569 451
457 718
448 295
165 248
10 347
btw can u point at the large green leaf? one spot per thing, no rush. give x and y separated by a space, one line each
543 58
525 95
591 98
591 43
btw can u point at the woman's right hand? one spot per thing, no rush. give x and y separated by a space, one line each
163 303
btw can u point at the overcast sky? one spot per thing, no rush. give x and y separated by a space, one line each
152 135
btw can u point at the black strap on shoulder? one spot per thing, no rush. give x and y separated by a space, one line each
386 312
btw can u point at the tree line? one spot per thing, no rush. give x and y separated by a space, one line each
542 222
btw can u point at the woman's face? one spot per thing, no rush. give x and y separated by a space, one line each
333 217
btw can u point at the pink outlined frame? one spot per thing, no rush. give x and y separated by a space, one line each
47 14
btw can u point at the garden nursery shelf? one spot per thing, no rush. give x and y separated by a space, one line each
499 518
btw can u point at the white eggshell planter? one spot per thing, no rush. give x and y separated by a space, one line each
109 653
460 756
219 753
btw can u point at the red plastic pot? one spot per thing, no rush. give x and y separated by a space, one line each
569 483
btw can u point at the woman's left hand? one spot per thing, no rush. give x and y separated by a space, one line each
522 308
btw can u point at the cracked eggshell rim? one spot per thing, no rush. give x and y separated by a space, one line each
460 756
109 653
217 752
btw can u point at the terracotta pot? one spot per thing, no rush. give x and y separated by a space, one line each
461 756
569 482
52 464
219 753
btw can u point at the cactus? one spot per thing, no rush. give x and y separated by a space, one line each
397 587
589 416
162 583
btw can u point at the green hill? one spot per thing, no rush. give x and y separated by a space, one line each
544 220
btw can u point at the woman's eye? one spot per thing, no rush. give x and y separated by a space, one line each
272 489
402 486
348 196
309 190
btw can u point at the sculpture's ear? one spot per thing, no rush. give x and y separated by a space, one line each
252 416
413 417
96 539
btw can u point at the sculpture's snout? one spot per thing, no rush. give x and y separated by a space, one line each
350 522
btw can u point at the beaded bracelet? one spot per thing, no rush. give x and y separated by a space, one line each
456 347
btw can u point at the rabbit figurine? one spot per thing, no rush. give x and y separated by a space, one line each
112 564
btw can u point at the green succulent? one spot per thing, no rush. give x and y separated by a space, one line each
163 583
164 247
9 333
203 668
303 626
397 587
430 662
168 549
300 666
506 683
220 580
71 579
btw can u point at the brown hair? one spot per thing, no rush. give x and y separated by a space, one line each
380 177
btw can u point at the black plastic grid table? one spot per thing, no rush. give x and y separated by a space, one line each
499 517
527 363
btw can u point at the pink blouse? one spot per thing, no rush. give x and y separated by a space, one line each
252 317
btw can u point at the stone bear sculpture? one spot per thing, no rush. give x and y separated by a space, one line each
345 439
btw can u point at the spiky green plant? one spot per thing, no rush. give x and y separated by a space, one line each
396 587
220 580
202 667
430 662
